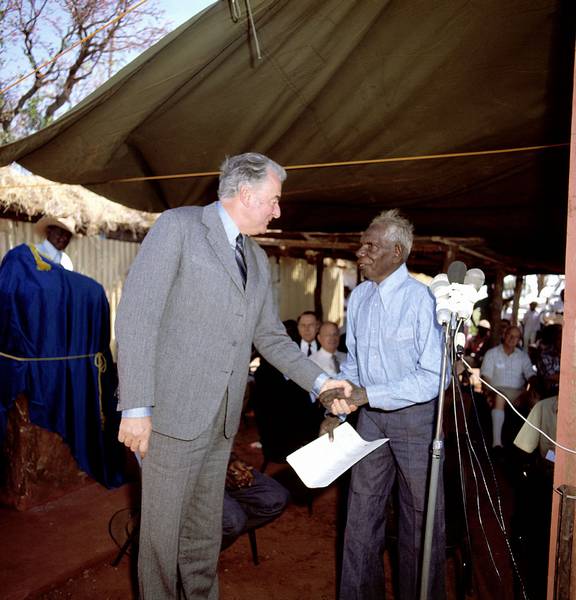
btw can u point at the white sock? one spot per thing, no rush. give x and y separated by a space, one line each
497 422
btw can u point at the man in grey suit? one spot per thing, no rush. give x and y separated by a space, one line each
197 297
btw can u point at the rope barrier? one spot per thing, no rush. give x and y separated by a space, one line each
327 165
99 363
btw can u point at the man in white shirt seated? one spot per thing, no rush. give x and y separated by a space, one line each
58 232
328 357
508 369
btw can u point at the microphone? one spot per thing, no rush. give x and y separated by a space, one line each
456 292
474 277
456 272
440 286
459 343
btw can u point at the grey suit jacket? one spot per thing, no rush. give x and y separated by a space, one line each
185 325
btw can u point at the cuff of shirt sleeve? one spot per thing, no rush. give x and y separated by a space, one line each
318 383
142 411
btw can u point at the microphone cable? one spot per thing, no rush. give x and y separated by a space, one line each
477 471
550 439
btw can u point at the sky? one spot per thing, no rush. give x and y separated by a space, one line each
180 10
176 12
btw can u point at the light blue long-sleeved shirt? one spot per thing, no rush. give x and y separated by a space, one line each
394 342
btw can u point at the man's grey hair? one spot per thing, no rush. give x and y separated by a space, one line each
246 169
399 230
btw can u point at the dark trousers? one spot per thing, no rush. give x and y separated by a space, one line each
252 506
405 460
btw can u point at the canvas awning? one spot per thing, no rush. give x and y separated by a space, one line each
342 83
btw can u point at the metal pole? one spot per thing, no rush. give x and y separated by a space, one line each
436 462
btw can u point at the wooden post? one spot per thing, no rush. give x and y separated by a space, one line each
449 258
318 289
563 567
496 307
565 465
516 302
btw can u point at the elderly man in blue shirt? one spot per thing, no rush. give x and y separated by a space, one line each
394 359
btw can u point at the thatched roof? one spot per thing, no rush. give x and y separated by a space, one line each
28 197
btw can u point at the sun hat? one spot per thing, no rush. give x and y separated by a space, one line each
67 223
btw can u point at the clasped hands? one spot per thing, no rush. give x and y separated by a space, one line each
340 398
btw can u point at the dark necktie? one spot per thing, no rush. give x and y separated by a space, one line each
240 258
309 349
336 363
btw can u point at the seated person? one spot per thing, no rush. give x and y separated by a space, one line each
479 344
548 360
508 369
543 416
251 499
329 357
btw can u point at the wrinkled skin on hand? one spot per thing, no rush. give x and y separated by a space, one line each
357 398
328 426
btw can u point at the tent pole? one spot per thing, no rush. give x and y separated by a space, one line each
565 465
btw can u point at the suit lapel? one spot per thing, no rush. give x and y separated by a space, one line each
216 237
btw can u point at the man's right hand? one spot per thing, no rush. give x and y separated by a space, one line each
135 432
338 403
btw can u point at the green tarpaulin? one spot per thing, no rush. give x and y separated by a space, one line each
342 81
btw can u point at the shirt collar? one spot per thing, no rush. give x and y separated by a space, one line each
50 250
230 227
392 282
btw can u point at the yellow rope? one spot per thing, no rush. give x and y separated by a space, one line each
40 264
349 163
99 363
55 58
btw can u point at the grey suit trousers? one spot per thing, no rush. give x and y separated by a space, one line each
181 521
405 460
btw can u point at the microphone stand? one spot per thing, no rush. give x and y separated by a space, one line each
437 453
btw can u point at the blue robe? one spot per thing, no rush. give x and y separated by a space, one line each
59 313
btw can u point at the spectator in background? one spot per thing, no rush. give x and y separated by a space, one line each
478 345
57 233
508 369
328 357
548 360
308 325
530 325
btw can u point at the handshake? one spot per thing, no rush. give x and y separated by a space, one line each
340 401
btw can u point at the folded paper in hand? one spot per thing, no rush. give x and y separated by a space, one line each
321 461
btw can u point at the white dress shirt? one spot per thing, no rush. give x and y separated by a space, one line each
56 256
304 346
507 370
325 360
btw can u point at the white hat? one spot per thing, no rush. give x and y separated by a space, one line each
67 223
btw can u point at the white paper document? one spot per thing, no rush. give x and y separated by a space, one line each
321 461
